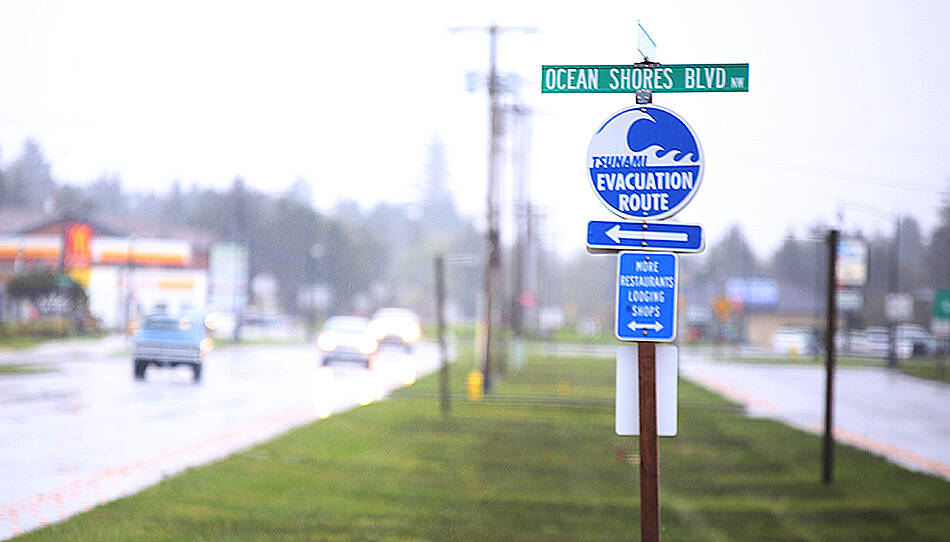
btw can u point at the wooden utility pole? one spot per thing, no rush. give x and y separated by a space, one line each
491 280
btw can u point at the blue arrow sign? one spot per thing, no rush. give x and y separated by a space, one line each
663 236
646 296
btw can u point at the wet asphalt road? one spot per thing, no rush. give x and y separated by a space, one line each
905 419
89 433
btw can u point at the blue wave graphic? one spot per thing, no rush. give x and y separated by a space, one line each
666 131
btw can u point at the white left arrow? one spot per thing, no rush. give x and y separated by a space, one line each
655 326
616 234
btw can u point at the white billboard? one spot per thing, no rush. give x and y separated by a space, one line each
851 267
227 277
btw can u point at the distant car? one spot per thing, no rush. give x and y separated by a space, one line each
170 341
396 326
794 341
347 338
876 342
914 340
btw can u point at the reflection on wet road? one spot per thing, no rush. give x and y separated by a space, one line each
89 433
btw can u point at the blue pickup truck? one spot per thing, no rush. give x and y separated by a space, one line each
170 341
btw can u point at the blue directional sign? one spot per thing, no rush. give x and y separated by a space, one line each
646 296
645 162
656 236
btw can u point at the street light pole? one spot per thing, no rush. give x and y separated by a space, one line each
521 211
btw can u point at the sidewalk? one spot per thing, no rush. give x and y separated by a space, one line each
902 418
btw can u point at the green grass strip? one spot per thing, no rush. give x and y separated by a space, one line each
14 369
510 468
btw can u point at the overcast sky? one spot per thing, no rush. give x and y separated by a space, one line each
847 103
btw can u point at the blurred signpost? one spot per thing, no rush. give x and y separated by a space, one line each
645 163
851 274
440 320
227 281
898 307
831 315
941 322
722 307
849 300
942 304
851 267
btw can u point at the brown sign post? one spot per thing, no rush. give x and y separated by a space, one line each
649 474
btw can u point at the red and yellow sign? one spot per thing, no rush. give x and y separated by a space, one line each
78 245
78 251
722 307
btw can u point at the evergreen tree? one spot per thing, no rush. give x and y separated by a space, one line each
28 182
731 256
438 211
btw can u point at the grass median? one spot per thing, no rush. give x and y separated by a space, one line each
18 369
537 460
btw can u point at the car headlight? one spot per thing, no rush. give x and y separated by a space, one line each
368 346
377 329
211 321
206 345
411 333
326 342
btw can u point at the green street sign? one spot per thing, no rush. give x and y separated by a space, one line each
658 78
942 304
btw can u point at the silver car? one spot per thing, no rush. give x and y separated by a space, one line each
347 338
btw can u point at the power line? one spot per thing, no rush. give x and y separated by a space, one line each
859 177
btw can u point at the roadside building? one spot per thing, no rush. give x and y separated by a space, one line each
749 310
127 268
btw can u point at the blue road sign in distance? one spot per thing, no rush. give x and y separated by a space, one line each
645 162
646 296
603 236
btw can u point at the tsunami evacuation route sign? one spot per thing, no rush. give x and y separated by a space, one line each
645 162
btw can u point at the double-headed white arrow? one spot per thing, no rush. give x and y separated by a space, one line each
617 234
655 326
